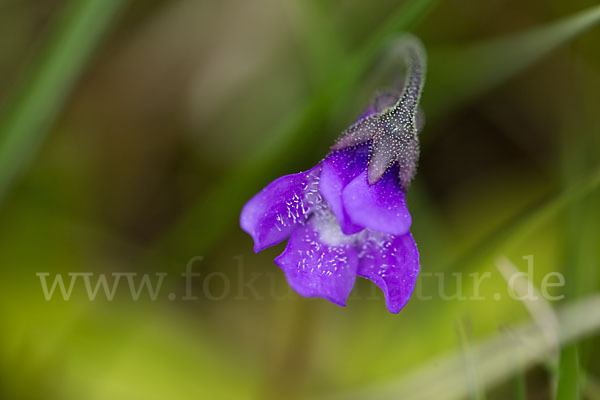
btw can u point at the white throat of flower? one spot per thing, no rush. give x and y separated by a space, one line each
326 225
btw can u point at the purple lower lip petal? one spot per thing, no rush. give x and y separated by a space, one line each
315 268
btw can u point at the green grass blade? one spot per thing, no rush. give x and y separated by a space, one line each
520 386
323 42
458 75
496 358
568 374
471 377
524 224
29 112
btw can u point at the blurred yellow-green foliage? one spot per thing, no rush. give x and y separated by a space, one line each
137 129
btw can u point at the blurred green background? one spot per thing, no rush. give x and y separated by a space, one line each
132 132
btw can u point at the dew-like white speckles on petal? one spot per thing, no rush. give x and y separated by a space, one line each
392 263
287 202
316 268
300 203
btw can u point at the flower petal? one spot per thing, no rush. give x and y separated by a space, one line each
392 263
272 214
339 169
314 268
380 207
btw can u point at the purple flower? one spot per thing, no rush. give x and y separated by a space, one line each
347 216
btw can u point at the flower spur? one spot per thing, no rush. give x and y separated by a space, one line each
347 216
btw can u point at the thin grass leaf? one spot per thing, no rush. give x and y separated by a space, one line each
521 386
524 224
568 374
323 42
29 113
496 358
458 75
471 378
539 308
575 255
